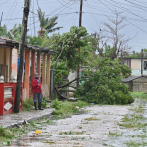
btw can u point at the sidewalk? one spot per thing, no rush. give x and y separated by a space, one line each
13 119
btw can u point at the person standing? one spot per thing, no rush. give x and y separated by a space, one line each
36 89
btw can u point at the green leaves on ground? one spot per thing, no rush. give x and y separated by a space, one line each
67 108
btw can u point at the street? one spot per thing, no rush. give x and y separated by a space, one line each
98 127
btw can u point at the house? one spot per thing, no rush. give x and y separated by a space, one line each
8 72
136 83
135 65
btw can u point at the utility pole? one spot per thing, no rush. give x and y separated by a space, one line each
21 56
141 61
80 24
1 19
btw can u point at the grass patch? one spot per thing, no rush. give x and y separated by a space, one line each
142 95
136 144
68 108
28 105
133 125
133 118
114 134
136 120
70 133
91 118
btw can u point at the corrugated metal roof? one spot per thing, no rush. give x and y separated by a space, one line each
130 78
11 43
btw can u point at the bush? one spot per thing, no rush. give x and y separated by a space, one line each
44 102
28 105
105 86
56 104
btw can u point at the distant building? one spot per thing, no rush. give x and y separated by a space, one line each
135 65
136 83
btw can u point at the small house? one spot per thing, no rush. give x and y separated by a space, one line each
8 71
136 83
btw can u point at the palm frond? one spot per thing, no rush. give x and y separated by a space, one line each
54 29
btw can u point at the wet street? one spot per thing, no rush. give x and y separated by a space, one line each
98 127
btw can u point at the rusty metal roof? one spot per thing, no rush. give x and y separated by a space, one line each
11 43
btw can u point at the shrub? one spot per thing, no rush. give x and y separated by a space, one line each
44 102
56 104
28 105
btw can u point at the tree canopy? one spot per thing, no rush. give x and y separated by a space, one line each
104 85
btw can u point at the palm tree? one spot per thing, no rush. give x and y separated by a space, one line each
46 24
3 31
13 33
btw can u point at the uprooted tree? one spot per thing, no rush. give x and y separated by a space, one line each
104 85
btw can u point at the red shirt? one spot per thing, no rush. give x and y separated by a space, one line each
35 87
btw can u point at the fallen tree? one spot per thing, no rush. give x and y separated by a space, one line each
105 86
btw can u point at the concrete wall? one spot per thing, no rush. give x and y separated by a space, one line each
140 84
14 62
8 61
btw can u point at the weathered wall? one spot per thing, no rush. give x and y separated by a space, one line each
1 55
14 62
140 84
136 64
8 61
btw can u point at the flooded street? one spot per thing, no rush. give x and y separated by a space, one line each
105 125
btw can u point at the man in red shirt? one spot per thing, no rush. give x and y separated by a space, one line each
36 89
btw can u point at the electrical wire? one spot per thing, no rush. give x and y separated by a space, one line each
94 16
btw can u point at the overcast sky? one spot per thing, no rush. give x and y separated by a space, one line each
94 13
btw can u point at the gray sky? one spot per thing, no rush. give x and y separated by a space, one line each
94 12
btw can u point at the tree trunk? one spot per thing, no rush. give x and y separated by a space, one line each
21 56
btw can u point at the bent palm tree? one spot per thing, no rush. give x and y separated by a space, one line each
46 24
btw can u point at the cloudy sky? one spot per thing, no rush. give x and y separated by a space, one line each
94 13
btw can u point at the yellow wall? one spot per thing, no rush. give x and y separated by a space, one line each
1 55
136 64
7 59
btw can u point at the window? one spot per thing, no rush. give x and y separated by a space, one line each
1 69
145 65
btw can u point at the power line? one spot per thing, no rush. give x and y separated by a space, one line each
124 18
51 13
34 19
